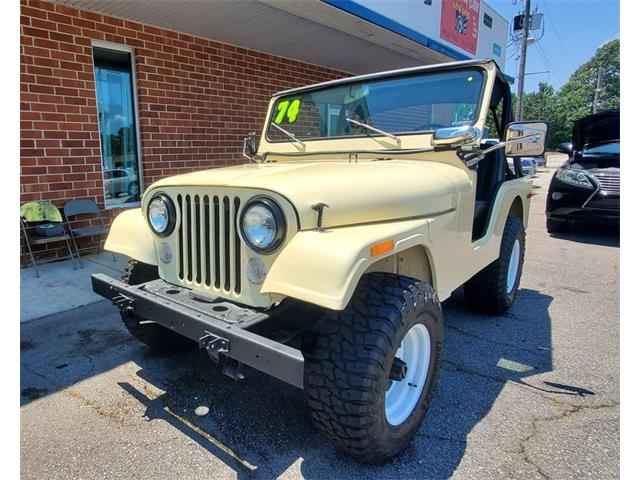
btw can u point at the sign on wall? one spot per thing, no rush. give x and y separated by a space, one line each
459 23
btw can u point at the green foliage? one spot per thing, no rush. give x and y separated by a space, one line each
575 99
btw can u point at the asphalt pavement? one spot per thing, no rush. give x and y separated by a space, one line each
531 394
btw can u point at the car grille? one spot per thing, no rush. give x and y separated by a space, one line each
609 183
208 242
605 203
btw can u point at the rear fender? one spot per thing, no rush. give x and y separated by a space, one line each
324 267
130 236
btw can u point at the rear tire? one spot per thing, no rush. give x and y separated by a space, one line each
153 335
493 289
347 377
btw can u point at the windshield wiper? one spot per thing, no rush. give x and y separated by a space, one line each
374 129
288 134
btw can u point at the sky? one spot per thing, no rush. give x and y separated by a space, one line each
574 30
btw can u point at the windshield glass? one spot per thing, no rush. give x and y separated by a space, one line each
608 148
399 105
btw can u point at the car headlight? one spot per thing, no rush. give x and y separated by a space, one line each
574 177
262 225
161 214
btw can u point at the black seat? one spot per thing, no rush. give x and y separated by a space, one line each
480 209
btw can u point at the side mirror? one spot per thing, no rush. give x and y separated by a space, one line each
250 147
565 147
453 137
533 135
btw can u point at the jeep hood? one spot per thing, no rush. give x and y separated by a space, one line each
357 192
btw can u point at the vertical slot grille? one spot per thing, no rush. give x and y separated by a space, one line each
208 242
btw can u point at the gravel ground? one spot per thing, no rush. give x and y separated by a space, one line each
532 394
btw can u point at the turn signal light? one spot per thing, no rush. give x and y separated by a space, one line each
382 247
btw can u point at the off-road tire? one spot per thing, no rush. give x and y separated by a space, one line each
156 336
347 372
556 226
487 292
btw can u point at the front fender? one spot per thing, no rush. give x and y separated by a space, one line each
130 236
324 267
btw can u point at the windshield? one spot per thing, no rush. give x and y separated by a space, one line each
400 105
606 148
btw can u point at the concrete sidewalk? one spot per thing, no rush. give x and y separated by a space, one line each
60 287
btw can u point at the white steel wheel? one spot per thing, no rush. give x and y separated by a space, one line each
514 265
403 394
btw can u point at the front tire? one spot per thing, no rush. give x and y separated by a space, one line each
358 393
159 338
493 289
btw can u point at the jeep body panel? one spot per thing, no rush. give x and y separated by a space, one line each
130 235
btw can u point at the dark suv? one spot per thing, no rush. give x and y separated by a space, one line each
587 185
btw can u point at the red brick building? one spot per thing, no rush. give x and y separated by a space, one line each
110 104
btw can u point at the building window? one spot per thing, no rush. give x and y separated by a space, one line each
488 21
117 117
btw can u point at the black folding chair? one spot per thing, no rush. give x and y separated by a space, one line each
34 213
74 208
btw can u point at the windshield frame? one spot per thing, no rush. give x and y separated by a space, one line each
481 92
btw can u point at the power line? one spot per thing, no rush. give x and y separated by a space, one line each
546 59
555 30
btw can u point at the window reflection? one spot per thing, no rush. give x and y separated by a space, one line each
116 114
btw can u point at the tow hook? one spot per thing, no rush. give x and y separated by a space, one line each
124 303
214 345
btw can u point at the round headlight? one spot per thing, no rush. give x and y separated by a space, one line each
161 215
262 225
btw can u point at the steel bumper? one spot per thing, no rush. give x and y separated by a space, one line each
218 326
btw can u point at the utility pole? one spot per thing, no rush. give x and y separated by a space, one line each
594 107
523 61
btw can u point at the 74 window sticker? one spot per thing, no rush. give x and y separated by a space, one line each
287 109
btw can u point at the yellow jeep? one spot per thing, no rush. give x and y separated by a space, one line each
323 259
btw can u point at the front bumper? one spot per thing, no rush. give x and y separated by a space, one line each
220 327
578 203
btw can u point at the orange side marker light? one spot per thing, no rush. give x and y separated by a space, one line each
382 247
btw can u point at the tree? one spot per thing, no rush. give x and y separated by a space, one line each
575 98
540 104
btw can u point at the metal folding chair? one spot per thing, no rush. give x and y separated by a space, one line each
74 208
32 213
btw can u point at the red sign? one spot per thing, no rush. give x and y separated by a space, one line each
459 23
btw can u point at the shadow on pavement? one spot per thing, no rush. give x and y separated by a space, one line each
592 234
261 428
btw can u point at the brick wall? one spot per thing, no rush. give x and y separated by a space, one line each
197 98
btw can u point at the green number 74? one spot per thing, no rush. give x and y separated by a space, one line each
289 108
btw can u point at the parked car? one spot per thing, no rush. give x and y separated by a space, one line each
120 181
587 186
541 161
529 165
323 262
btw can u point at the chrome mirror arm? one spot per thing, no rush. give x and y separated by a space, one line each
472 158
